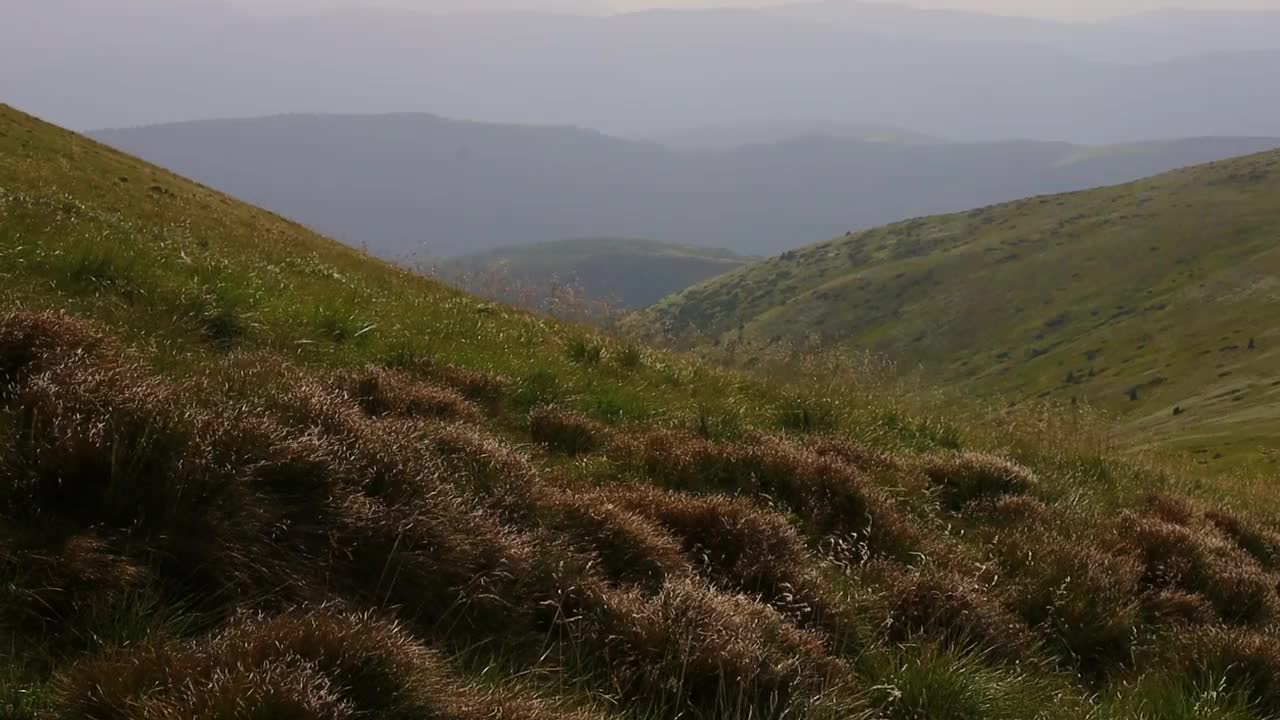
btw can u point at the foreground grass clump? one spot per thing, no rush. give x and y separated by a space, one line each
245 472
567 432
321 664
171 540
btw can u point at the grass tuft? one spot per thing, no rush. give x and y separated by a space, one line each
565 431
968 477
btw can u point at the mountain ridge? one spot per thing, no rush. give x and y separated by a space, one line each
414 182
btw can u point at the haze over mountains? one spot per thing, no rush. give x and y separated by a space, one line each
955 75
406 184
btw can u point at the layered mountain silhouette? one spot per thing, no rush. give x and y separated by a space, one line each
423 185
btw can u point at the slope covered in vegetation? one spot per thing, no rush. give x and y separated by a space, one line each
627 273
246 472
1153 300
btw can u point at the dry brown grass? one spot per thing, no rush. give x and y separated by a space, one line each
1195 558
963 478
475 385
323 664
1083 601
1246 661
696 578
1009 510
956 610
383 393
742 547
351 484
1259 540
565 431
833 499
31 342
630 547
719 654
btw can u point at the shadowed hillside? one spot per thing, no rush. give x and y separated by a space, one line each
1153 300
248 472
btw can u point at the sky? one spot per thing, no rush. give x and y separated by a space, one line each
1058 9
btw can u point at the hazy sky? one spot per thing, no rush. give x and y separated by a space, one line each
1063 9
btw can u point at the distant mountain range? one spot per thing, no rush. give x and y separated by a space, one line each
419 184
956 75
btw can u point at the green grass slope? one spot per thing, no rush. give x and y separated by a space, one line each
246 472
1154 300
627 273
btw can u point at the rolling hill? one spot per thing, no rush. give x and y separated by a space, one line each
1153 300
400 184
246 471
628 274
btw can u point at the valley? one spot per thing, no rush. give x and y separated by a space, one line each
621 274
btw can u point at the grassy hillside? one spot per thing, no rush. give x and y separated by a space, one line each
246 472
628 273
1154 300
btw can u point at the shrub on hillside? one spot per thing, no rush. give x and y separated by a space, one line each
1083 601
1179 608
742 547
954 611
565 431
808 415
1261 542
962 478
586 350
475 385
1009 510
31 342
383 393
691 648
1245 661
630 547
1197 559
314 666
832 499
